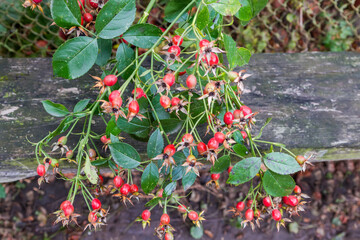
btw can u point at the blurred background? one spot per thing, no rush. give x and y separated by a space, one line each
283 26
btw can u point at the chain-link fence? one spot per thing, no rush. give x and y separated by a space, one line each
283 26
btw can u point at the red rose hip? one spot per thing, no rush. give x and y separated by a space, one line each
125 189
134 188
220 137
165 219
191 81
96 204
228 118
110 80
245 110
276 215
169 79
204 43
240 206
215 176
88 17
177 40
145 215
267 202
134 107
193 216
165 101
201 148
118 181
40 170
213 144
249 214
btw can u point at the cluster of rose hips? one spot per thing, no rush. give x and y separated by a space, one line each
240 119
276 207
164 228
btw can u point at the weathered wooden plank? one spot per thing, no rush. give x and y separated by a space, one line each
314 99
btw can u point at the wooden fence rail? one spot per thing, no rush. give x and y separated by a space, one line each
313 98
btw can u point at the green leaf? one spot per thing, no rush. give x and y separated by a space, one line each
134 126
238 137
197 232
172 125
249 9
188 180
203 18
245 13
278 185
112 128
105 48
169 189
174 8
281 163
221 164
244 56
262 128
115 18
63 126
114 138
125 155
149 178
81 105
179 158
125 55
244 170
153 202
65 14
236 56
155 145
55 109
90 171
142 35
225 7
178 173
2 192
75 57
241 150
99 162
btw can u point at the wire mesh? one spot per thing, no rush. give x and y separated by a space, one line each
283 26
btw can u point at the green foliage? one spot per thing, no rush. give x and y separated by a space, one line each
125 155
156 144
278 185
225 7
197 232
81 105
244 170
75 57
249 9
338 38
115 18
221 164
142 35
174 8
281 163
188 180
66 14
153 121
2 192
55 109
149 178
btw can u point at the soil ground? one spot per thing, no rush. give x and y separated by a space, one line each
333 212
